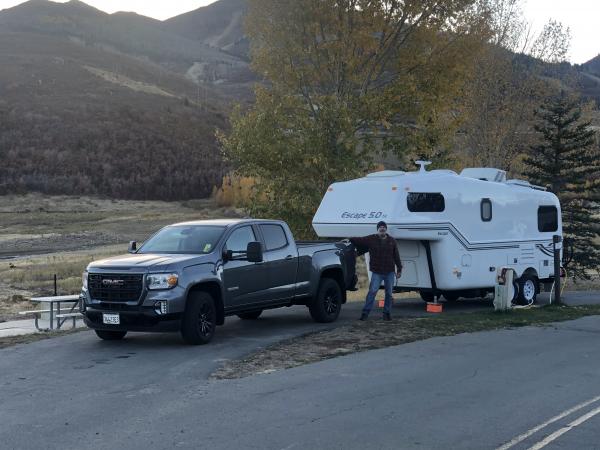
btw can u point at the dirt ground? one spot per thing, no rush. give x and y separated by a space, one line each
374 334
45 235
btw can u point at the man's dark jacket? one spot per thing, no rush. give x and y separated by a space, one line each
383 253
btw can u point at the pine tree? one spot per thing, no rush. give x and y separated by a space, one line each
567 161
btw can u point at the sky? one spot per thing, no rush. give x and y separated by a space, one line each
581 16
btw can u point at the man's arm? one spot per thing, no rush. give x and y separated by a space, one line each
361 241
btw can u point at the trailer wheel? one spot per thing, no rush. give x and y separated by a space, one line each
427 296
326 306
527 290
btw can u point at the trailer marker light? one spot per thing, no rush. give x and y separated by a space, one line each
394 188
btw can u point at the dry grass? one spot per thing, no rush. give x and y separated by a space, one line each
61 235
363 336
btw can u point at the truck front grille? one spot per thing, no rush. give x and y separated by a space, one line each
115 287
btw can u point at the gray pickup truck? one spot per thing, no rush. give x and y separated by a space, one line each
189 276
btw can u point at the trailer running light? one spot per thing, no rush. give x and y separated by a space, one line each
394 188
161 307
330 189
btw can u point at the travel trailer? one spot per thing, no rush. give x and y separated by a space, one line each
453 231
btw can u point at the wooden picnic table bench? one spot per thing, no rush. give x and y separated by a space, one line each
57 314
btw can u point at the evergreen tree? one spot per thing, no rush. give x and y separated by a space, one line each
567 161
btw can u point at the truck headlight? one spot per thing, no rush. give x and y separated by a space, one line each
162 280
84 279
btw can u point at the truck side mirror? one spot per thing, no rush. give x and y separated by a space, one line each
254 252
132 247
227 255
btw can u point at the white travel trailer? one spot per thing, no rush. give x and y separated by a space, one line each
453 231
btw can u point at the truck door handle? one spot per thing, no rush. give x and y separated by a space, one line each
289 257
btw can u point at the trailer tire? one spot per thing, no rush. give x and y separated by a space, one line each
253 315
326 306
110 335
199 320
527 289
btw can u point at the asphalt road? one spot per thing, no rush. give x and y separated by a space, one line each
474 391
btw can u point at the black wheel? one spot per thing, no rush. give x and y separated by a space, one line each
427 296
109 335
326 306
451 296
250 315
527 287
199 320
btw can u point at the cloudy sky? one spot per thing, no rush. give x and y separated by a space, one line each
582 16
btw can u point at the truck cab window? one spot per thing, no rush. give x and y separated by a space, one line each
275 237
425 202
547 219
240 238
486 210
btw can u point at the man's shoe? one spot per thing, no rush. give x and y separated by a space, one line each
363 317
387 316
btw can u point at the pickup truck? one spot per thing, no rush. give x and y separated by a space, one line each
189 276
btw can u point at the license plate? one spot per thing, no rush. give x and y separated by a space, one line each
111 319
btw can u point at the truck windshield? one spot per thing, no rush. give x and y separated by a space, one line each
192 239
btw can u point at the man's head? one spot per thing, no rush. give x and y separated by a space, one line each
382 229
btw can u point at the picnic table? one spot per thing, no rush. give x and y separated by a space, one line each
58 315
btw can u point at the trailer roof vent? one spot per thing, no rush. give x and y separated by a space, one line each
385 173
485 174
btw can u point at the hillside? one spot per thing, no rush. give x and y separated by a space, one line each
128 33
111 104
127 106
218 25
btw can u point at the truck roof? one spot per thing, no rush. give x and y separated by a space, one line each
223 222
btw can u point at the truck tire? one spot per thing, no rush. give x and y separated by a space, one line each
527 290
250 315
199 320
109 335
326 306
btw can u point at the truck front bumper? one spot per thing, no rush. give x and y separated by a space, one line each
133 319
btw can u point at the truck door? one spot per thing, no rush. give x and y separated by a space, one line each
281 260
244 282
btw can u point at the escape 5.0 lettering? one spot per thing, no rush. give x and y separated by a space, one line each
366 215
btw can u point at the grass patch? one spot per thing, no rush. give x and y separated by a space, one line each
374 334
36 337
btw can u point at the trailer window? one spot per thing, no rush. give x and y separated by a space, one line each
425 202
486 210
275 237
547 219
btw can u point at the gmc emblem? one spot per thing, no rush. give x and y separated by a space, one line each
113 282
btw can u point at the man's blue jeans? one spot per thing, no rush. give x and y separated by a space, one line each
376 279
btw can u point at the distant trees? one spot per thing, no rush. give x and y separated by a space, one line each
506 88
346 81
133 152
567 160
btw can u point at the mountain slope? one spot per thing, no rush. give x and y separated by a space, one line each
92 122
219 25
592 66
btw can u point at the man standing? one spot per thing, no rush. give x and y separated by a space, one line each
384 264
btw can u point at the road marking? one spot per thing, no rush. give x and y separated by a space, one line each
554 436
537 428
